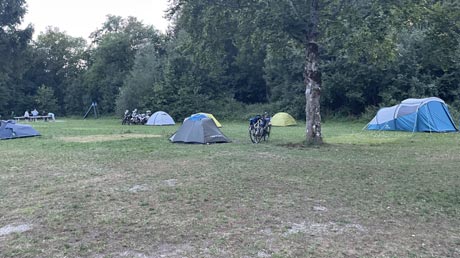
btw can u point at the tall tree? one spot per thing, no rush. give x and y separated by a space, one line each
112 57
57 62
140 86
300 19
225 47
13 46
312 75
360 30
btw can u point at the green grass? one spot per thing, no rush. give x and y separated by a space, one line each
89 188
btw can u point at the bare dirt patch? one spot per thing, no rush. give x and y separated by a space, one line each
312 228
319 208
170 182
104 138
9 229
138 188
163 251
439 157
267 155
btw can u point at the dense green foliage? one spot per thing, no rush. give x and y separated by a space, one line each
223 55
13 55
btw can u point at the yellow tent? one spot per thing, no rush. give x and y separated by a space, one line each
203 115
283 119
213 118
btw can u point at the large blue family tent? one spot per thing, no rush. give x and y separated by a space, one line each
415 115
10 130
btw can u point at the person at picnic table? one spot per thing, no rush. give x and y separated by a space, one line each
34 112
26 115
51 115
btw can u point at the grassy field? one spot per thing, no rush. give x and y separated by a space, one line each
89 188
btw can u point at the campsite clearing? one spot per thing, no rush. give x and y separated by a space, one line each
363 194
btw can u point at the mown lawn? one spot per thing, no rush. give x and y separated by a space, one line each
95 188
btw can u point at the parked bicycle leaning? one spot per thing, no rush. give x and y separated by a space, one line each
259 128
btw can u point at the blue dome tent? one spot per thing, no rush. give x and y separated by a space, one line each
415 115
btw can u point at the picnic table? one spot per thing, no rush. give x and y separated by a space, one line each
32 118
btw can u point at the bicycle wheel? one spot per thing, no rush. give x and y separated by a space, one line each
255 133
252 134
259 134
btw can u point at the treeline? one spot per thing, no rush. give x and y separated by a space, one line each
229 56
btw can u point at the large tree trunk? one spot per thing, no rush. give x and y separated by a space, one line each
312 75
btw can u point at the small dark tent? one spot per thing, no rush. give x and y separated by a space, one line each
199 131
10 130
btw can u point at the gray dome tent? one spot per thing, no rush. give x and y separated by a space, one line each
202 131
160 118
10 130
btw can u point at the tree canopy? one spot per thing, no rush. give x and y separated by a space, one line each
14 55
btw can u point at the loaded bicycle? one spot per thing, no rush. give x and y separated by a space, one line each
135 118
259 128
